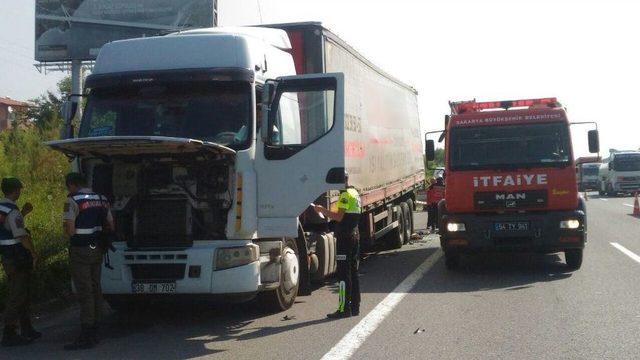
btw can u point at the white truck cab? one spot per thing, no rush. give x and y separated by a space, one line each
620 173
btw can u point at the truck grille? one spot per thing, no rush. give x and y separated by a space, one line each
157 271
161 223
503 200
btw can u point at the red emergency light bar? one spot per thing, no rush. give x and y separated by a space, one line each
473 106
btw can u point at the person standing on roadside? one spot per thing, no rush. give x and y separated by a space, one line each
435 193
86 217
18 260
348 243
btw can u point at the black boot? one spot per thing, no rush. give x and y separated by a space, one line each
84 340
10 337
355 310
27 331
339 314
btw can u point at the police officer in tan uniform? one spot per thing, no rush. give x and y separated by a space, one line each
86 218
18 258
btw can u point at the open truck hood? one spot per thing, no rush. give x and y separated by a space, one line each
135 145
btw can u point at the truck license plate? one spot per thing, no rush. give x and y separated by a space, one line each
512 226
153 288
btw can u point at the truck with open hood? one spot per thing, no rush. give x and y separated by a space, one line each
211 144
511 180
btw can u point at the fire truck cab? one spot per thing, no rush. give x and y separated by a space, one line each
511 181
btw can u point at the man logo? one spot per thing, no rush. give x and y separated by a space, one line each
511 196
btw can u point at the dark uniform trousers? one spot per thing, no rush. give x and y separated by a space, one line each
18 304
86 265
349 244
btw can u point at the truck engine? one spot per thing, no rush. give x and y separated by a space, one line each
165 202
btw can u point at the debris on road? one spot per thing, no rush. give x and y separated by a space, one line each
418 331
287 318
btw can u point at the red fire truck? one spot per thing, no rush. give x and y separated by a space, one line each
510 180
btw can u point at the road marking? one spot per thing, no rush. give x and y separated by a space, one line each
629 205
626 251
604 199
350 343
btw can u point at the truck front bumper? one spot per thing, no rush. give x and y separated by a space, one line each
192 269
543 235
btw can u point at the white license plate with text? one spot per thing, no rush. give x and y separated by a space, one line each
153 288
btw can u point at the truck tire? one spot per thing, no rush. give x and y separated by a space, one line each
406 214
395 238
284 296
610 192
451 260
412 207
573 258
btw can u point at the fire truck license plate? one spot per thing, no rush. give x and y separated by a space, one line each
512 226
153 288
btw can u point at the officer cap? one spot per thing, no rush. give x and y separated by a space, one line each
10 184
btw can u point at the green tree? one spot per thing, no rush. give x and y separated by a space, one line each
45 111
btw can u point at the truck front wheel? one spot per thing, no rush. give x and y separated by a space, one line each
284 296
573 258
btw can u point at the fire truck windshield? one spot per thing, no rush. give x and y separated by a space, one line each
627 162
510 146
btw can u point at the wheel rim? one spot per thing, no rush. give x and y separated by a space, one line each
290 270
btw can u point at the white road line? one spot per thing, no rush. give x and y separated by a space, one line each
629 205
604 199
350 343
626 251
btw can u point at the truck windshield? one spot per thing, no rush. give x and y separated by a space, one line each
627 162
510 146
590 170
215 112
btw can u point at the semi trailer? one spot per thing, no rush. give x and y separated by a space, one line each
211 144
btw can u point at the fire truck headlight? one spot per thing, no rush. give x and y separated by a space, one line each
456 227
570 224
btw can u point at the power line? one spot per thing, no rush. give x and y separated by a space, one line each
260 11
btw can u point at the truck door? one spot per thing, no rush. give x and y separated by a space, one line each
300 152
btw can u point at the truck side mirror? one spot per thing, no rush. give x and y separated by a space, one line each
594 141
68 111
430 150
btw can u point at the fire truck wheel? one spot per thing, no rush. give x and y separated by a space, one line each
573 258
406 214
395 238
284 296
451 260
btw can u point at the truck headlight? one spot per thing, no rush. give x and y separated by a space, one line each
456 227
570 224
236 256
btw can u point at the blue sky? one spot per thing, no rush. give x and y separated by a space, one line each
583 52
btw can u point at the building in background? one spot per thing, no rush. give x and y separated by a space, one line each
8 108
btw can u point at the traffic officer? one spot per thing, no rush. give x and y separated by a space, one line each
18 258
86 217
348 243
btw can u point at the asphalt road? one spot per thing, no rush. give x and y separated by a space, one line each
522 306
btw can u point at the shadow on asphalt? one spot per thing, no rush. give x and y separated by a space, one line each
494 271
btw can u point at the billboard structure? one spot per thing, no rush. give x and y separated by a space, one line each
69 30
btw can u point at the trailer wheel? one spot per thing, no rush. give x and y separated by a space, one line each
412 208
406 214
284 296
573 258
396 236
